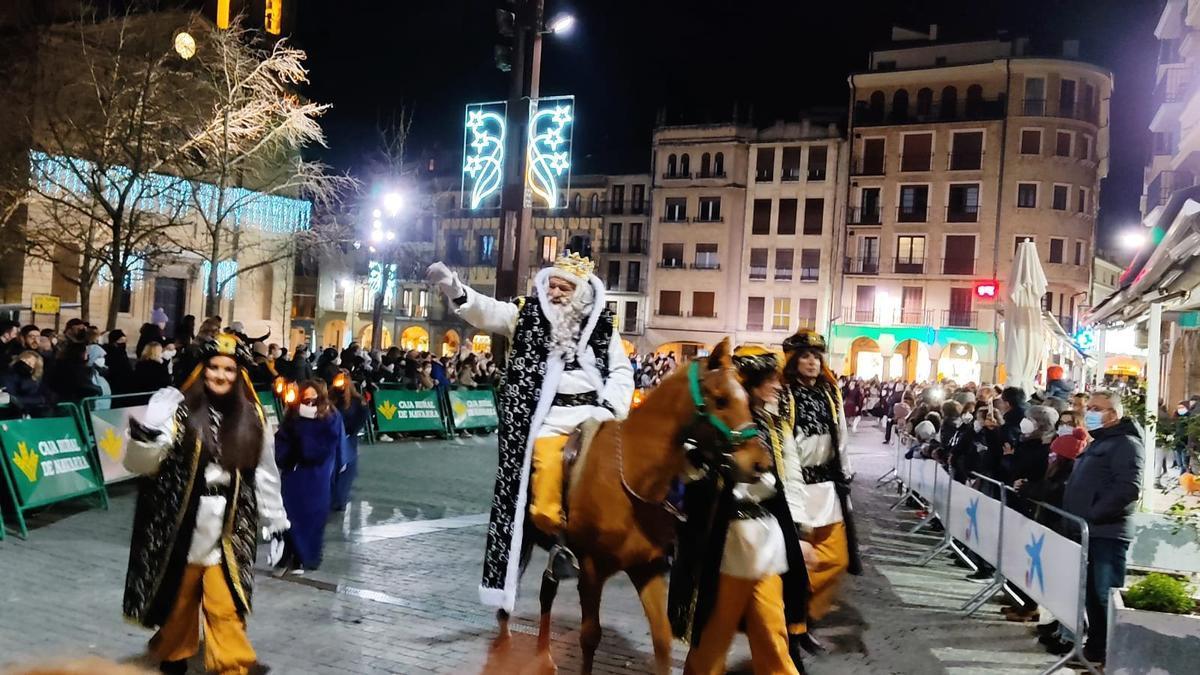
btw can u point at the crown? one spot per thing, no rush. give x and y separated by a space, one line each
575 265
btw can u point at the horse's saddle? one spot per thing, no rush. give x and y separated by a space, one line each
576 447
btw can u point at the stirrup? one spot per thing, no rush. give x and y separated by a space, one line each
562 564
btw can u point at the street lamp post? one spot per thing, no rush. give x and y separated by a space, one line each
383 239
512 266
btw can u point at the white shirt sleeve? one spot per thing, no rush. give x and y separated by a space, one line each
271 514
487 313
618 390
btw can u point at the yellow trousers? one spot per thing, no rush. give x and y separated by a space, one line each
760 603
227 650
547 482
833 557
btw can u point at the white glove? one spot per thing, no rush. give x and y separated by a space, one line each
441 276
161 408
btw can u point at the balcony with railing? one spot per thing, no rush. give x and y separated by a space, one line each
1159 191
914 162
858 215
673 218
875 166
873 315
706 263
963 110
758 272
915 213
964 213
965 161
676 175
790 174
958 265
671 264
909 265
783 274
764 176
816 175
856 265
1040 107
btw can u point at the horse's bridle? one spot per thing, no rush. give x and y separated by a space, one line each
735 437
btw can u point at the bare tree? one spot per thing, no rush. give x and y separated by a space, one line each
102 112
248 147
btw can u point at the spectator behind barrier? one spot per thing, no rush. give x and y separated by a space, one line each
150 373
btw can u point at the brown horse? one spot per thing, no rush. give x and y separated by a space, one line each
618 520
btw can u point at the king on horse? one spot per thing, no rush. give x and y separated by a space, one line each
567 366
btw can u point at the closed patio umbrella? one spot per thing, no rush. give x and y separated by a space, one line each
1024 334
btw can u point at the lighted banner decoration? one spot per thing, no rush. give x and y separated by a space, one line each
548 152
483 152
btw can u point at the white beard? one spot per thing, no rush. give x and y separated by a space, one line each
566 321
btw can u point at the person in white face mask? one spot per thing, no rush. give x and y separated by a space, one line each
306 447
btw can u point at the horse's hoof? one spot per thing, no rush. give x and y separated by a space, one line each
546 665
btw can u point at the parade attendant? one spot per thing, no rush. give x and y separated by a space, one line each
307 445
210 483
817 474
741 566
566 365
354 417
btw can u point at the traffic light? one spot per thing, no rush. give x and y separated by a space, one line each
506 26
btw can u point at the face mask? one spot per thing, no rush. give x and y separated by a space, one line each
964 420
1093 419
307 411
1028 426
168 355
98 363
337 362
1065 429
1181 411
978 426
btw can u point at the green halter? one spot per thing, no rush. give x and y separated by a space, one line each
735 437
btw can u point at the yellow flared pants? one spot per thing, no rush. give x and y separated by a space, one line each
547 483
227 650
833 557
760 603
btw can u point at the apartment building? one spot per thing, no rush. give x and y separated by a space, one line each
958 152
742 218
1173 166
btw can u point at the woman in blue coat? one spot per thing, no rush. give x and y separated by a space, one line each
354 416
306 449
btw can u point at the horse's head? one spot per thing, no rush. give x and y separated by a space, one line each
725 432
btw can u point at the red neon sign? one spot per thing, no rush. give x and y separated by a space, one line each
987 290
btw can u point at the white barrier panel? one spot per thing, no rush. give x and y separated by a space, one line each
109 427
1044 564
941 495
974 520
924 471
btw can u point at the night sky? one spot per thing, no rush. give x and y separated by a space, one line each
628 59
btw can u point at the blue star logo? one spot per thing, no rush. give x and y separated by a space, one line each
1034 549
973 514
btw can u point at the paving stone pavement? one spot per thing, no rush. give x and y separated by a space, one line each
397 590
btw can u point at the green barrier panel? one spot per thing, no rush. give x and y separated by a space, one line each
474 409
400 410
46 461
270 405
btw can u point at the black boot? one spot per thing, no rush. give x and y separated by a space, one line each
563 563
796 652
810 644
174 667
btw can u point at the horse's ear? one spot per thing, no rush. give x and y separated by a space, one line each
719 358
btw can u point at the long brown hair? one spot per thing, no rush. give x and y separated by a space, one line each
241 435
324 407
345 396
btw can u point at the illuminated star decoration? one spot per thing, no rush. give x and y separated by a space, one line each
1034 549
549 152
973 525
484 156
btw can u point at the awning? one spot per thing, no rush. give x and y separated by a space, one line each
1166 271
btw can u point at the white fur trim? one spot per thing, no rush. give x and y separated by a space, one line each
506 598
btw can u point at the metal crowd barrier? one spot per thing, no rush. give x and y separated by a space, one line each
1016 554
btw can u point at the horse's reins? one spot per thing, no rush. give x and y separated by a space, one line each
735 437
